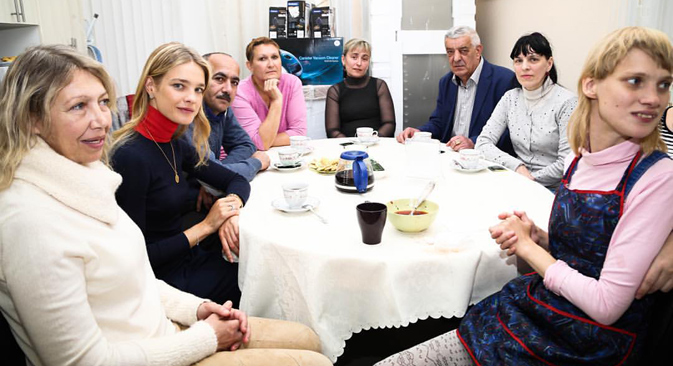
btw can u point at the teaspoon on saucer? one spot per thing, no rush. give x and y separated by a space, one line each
310 208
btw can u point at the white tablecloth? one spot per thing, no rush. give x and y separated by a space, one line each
294 267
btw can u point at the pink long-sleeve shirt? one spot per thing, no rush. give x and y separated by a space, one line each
646 221
250 109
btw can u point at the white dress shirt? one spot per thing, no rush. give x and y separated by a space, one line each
462 115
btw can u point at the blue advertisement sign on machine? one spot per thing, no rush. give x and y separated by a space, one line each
316 61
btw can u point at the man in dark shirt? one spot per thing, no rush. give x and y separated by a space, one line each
230 144
226 134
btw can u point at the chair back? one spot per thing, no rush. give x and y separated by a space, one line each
11 352
658 349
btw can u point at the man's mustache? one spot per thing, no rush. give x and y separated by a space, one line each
224 96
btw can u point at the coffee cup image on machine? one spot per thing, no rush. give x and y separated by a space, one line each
318 24
291 63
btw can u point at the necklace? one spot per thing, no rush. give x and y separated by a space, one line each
175 165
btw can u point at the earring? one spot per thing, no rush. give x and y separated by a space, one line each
151 96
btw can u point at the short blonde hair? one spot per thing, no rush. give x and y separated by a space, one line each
27 95
601 63
356 43
161 61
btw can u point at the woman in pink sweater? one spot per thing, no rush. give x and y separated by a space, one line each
269 105
610 218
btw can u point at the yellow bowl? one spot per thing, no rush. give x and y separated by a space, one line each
412 224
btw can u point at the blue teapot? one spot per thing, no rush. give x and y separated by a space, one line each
354 172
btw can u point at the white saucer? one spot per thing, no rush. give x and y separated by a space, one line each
443 148
307 150
281 204
288 168
482 166
356 140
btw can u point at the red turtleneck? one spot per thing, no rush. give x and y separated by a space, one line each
161 129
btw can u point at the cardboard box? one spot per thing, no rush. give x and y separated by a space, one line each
322 21
316 61
277 22
298 13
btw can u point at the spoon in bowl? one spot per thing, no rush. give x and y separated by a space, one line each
421 198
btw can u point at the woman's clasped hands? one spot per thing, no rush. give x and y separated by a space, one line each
230 325
516 233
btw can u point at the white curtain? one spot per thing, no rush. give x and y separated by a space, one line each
656 14
648 13
127 31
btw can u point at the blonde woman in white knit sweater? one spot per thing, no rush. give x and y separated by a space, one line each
76 285
536 114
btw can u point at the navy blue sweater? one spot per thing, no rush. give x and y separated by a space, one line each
153 200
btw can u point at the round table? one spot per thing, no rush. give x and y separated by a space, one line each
294 267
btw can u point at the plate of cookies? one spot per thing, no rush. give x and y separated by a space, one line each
324 165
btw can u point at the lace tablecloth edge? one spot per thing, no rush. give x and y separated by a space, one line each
401 323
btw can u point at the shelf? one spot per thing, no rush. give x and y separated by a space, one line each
16 37
5 26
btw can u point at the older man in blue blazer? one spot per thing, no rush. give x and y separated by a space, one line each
467 94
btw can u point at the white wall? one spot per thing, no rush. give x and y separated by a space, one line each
572 27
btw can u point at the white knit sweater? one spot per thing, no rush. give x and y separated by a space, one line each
76 285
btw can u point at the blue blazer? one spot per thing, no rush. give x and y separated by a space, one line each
494 81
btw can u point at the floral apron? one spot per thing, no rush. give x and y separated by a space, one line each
526 324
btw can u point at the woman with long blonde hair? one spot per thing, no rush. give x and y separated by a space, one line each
611 216
152 156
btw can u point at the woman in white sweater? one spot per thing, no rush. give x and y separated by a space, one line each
76 285
536 114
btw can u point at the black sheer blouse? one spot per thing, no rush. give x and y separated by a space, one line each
359 102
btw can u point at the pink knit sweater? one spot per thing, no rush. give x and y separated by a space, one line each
250 109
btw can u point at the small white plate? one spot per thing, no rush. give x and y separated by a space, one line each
443 148
356 140
482 166
288 168
380 174
307 150
281 204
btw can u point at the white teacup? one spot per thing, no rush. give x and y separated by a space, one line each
366 134
295 194
288 156
300 143
422 136
469 158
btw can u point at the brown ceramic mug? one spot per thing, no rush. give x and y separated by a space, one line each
372 219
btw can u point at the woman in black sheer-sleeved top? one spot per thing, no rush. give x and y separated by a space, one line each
360 100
